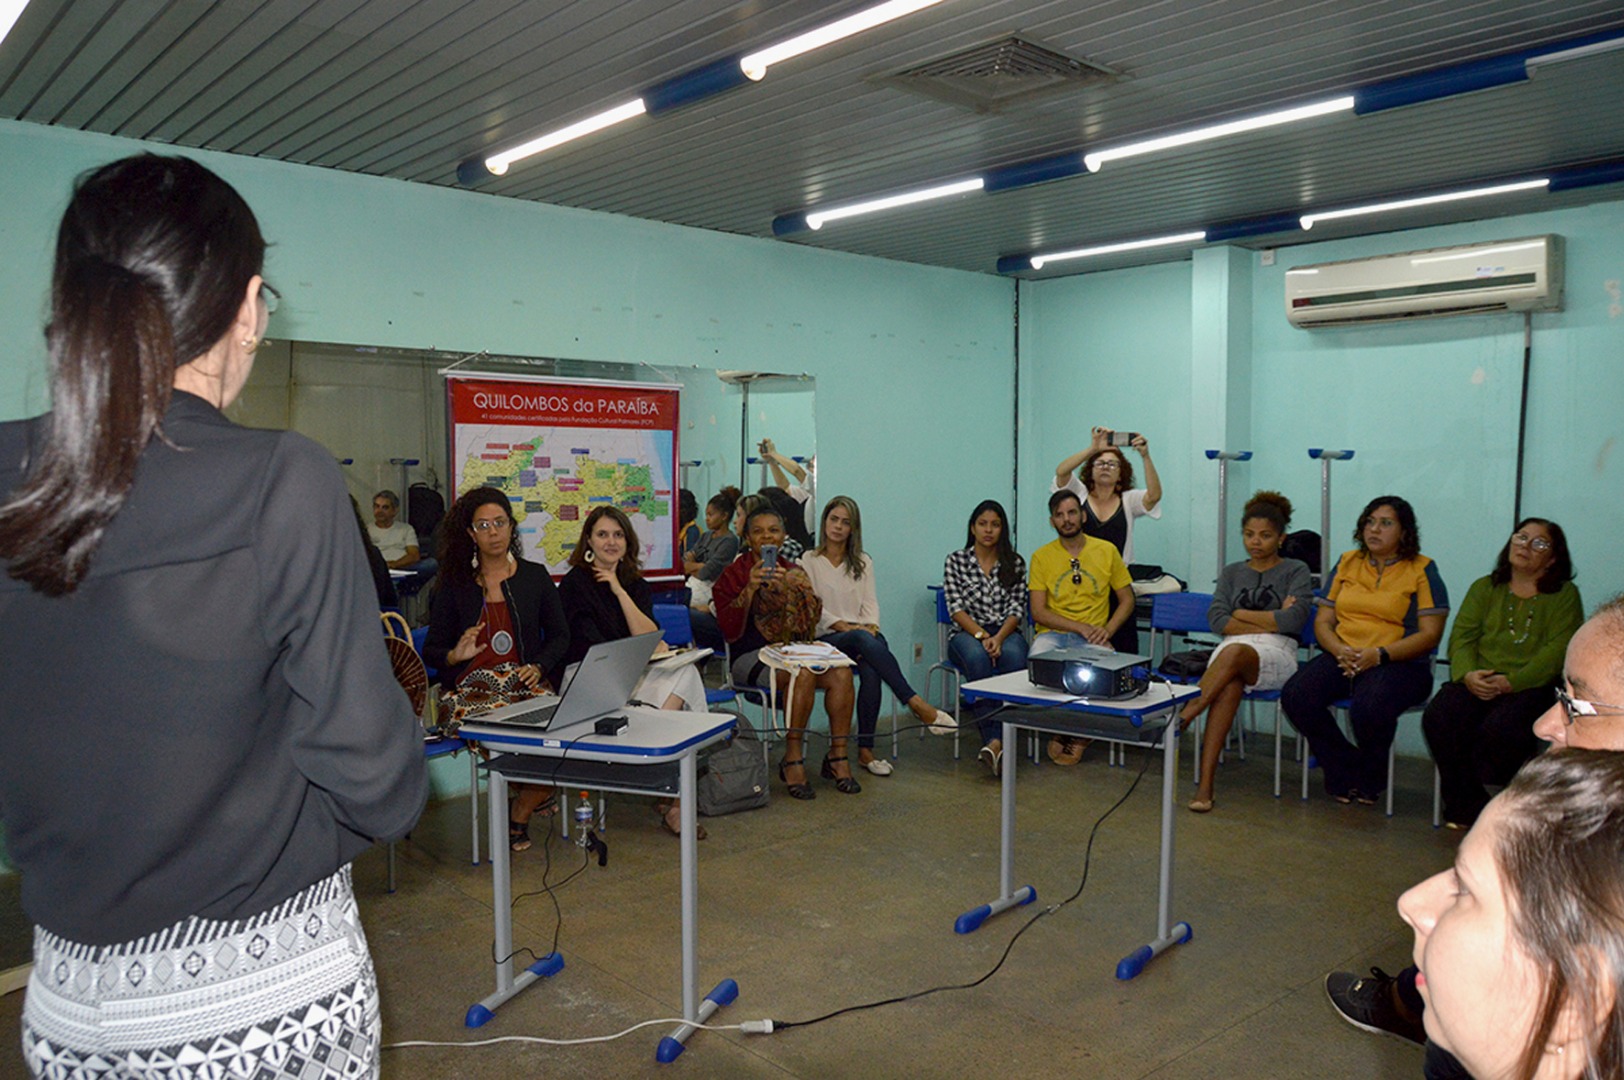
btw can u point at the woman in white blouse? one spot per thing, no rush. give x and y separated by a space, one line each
843 578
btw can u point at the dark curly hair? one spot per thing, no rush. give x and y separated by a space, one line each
1557 574
457 550
1409 541
1272 507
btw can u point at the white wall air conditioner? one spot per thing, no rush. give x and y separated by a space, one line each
1506 275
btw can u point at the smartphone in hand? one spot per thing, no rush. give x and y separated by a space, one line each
769 557
1123 438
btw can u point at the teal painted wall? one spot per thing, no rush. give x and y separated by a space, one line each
1113 350
906 358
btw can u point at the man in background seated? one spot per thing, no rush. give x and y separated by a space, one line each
1590 718
1072 579
394 538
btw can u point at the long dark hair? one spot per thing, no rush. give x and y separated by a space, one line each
1558 857
457 550
630 566
153 259
1008 573
1559 573
1409 545
854 540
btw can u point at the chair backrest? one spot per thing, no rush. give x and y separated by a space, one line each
1180 613
676 622
942 614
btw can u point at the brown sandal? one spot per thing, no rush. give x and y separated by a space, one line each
671 818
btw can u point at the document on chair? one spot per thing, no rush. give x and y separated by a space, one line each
808 652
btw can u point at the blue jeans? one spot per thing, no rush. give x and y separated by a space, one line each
970 657
1378 696
876 668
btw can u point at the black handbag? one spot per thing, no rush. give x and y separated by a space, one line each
1186 664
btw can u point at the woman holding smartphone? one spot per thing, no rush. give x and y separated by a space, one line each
762 599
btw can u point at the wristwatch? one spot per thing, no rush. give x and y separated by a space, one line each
981 635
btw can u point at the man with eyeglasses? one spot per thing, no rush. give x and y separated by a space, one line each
1072 579
1588 715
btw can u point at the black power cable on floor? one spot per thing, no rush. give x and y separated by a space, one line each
1088 854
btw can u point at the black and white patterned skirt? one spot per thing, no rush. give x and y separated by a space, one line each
288 993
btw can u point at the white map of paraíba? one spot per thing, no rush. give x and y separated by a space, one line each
554 476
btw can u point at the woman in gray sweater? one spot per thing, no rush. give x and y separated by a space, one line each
1260 606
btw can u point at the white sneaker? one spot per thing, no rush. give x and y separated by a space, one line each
993 758
878 766
944 724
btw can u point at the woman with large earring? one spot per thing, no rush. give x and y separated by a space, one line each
607 599
493 607
190 623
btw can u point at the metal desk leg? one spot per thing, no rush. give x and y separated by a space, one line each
672 1046
502 914
1166 936
1008 896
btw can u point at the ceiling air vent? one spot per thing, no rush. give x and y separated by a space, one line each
997 74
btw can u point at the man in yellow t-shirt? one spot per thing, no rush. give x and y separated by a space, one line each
1072 578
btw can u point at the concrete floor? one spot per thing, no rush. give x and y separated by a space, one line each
849 899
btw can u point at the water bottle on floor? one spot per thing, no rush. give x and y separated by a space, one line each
583 820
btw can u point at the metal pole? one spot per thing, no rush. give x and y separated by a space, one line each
1325 458
1223 458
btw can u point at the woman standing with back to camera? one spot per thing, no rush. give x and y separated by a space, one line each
190 619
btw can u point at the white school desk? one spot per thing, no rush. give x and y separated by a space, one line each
1137 721
655 755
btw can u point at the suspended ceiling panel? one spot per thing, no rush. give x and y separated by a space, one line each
410 89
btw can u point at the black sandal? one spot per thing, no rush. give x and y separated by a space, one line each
518 835
802 790
846 785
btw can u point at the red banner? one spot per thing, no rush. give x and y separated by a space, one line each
510 401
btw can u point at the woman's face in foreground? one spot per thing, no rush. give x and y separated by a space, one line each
1480 987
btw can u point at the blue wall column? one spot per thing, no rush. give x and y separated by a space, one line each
1220 382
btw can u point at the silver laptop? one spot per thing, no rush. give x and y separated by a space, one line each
601 683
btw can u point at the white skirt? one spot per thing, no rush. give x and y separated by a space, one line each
659 683
1276 657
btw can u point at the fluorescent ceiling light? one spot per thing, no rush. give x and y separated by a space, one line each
10 11
1110 249
1595 48
755 64
1309 220
1097 158
498 163
817 218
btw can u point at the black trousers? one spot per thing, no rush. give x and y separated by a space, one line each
1378 697
1476 742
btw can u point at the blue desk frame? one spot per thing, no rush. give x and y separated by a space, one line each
664 747
1132 722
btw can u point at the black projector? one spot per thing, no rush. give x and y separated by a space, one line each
1091 671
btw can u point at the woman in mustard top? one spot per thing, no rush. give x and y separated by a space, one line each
1379 621
1505 659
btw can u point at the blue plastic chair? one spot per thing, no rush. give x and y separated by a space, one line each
678 627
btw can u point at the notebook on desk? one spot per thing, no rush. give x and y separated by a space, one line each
601 683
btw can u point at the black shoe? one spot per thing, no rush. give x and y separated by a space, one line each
796 791
1372 1004
846 785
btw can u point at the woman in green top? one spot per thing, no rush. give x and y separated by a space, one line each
1505 659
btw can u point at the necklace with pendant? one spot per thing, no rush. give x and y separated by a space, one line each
1528 618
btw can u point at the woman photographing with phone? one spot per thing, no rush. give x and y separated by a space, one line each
765 599
1103 480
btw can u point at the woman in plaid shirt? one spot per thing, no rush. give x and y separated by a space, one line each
984 585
